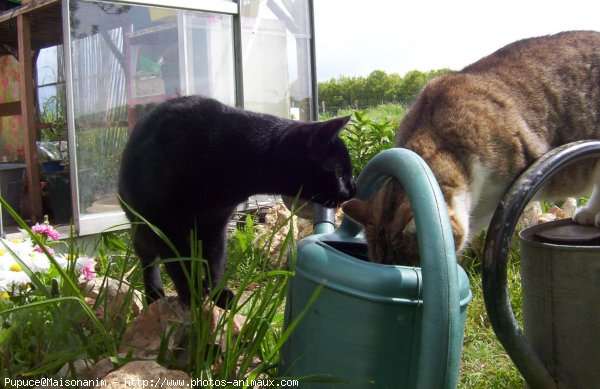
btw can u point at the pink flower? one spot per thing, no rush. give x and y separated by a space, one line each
89 272
46 230
39 249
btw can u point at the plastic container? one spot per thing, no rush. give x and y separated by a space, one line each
373 325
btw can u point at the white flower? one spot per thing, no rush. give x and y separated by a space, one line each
20 247
37 262
6 260
14 276
66 260
5 256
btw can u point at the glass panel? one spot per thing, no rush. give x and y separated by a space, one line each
125 60
276 57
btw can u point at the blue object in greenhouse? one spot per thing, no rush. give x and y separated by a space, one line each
358 324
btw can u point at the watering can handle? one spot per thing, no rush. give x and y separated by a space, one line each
441 295
497 246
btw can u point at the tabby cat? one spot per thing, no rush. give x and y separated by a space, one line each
192 160
479 128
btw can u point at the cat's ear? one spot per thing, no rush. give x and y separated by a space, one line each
358 210
326 132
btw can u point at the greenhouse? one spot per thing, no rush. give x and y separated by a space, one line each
66 113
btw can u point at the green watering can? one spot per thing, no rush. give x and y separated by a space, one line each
358 324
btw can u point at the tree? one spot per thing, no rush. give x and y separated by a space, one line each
377 88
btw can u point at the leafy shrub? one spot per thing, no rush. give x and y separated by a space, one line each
365 138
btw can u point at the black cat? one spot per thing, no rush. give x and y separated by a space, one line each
191 160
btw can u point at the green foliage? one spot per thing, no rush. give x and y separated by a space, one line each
98 154
378 88
48 323
50 326
244 251
261 284
485 363
365 138
392 113
53 112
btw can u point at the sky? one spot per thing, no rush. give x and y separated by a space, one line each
355 37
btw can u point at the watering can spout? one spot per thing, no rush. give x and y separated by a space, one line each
323 219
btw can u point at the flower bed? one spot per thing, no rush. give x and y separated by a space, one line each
21 257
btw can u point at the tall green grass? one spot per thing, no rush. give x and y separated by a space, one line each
485 363
51 327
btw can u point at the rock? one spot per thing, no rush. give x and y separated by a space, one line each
570 206
85 370
100 369
557 211
80 366
277 224
145 374
547 217
168 316
113 294
305 228
275 231
220 318
531 214
143 337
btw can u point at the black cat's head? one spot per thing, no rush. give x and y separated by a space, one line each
318 163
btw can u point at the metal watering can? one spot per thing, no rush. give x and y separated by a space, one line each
560 273
370 325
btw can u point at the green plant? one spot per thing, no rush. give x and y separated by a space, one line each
41 320
219 353
365 138
392 113
98 156
254 352
485 363
49 323
54 114
245 251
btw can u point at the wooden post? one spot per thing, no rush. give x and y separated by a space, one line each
28 116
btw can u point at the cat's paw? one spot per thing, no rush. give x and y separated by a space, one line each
224 299
587 216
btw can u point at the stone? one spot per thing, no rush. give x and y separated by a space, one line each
570 206
277 225
275 232
143 337
87 371
557 211
146 374
113 294
547 217
531 214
